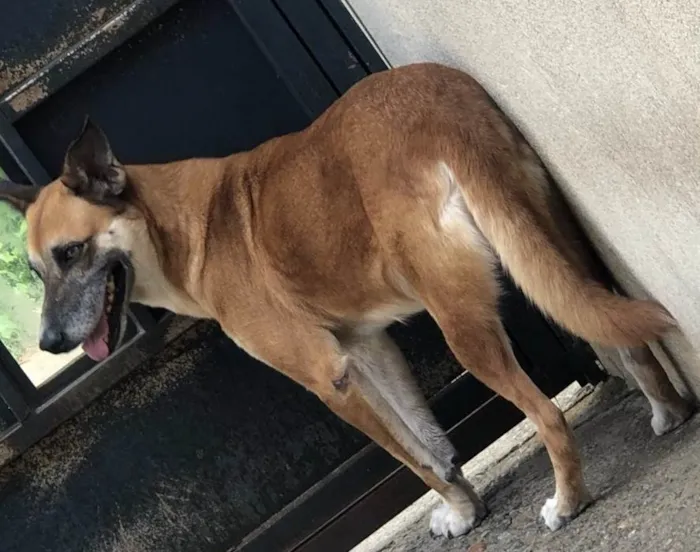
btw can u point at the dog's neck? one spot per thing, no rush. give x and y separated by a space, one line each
167 225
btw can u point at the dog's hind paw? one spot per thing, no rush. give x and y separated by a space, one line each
550 515
554 518
446 522
667 418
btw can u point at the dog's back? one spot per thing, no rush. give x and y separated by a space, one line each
416 170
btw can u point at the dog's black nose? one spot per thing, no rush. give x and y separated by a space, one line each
53 341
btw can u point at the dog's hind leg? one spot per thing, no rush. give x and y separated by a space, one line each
451 271
476 336
669 409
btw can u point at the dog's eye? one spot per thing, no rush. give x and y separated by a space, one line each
70 253
73 251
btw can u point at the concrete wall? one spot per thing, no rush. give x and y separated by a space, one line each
608 92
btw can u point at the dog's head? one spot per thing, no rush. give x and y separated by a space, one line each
76 245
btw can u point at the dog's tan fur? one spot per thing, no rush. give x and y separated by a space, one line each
401 197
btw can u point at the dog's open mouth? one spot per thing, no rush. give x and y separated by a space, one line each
110 330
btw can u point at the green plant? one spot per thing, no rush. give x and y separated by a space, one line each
20 289
13 260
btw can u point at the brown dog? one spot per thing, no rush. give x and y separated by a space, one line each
401 197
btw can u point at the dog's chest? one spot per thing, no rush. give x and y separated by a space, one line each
154 290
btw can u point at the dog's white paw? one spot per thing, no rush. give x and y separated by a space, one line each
555 519
665 420
446 522
550 514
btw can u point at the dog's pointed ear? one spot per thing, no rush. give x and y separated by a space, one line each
90 169
19 196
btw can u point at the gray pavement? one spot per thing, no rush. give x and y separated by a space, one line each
646 488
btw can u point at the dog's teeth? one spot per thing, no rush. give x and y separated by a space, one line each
110 294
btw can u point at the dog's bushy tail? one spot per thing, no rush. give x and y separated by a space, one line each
526 247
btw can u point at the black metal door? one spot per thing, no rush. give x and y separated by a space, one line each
166 80
171 79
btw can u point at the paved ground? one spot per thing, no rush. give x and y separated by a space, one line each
647 488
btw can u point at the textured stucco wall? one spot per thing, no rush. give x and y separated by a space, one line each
608 92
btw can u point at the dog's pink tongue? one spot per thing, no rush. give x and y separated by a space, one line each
96 344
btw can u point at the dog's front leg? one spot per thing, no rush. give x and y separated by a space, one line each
365 384
388 384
